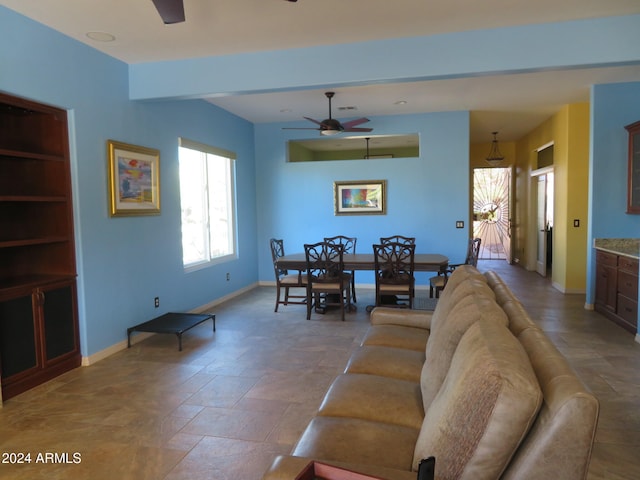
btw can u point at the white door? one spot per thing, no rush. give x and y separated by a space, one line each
541 258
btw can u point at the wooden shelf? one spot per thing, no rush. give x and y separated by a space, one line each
31 241
9 286
32 198
30 155
38 301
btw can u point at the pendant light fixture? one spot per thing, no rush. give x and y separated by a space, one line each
494 154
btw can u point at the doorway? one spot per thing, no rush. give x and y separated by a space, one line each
492 212
544 221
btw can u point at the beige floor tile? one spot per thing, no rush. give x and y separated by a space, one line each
232 400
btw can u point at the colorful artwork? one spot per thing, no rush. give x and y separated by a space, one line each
134 179
360 198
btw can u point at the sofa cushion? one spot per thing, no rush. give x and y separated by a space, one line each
372 397
450 297
486 405
411 338
462 273
402 317
387 362
358 441
560 441
446 334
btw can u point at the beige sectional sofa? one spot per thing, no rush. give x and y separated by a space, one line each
475 383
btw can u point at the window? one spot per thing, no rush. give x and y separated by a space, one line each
207 199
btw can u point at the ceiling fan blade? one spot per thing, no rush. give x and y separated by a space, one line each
171 11
314 121
358 129
353 123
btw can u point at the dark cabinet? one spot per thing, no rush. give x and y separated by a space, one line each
633 177
38 336
617 289
38 306
606 280
18 345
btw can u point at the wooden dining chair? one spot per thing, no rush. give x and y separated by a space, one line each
286 280
398 239
394 268
327 283
349 246
437 283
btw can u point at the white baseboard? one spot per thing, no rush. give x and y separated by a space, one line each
102 354
568 291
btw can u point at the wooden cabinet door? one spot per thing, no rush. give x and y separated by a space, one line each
606 281
19 352
58 319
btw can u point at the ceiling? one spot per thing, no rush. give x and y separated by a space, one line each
511 104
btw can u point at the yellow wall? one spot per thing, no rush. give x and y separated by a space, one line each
479 152
569 131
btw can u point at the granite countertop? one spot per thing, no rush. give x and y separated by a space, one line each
629 247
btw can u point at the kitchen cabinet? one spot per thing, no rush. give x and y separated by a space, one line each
617 289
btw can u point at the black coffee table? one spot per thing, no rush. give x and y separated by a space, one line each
172 322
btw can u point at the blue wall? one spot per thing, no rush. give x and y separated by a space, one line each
123 263
613 106
424 195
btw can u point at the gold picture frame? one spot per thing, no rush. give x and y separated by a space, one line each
134 179
361 197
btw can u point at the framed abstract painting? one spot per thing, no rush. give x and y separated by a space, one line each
362 197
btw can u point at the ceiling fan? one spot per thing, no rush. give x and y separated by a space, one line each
171 11
331 126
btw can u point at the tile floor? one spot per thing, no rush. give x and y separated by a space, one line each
229 402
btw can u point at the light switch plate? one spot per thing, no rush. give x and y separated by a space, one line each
459 224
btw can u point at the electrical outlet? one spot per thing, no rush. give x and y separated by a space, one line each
576 223
459 224
156 302
228 276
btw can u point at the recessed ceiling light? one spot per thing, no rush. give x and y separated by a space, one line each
285 110
400 102
101 36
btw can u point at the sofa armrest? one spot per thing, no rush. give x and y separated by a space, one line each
401 317
287 467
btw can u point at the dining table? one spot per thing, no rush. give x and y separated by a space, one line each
423 262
